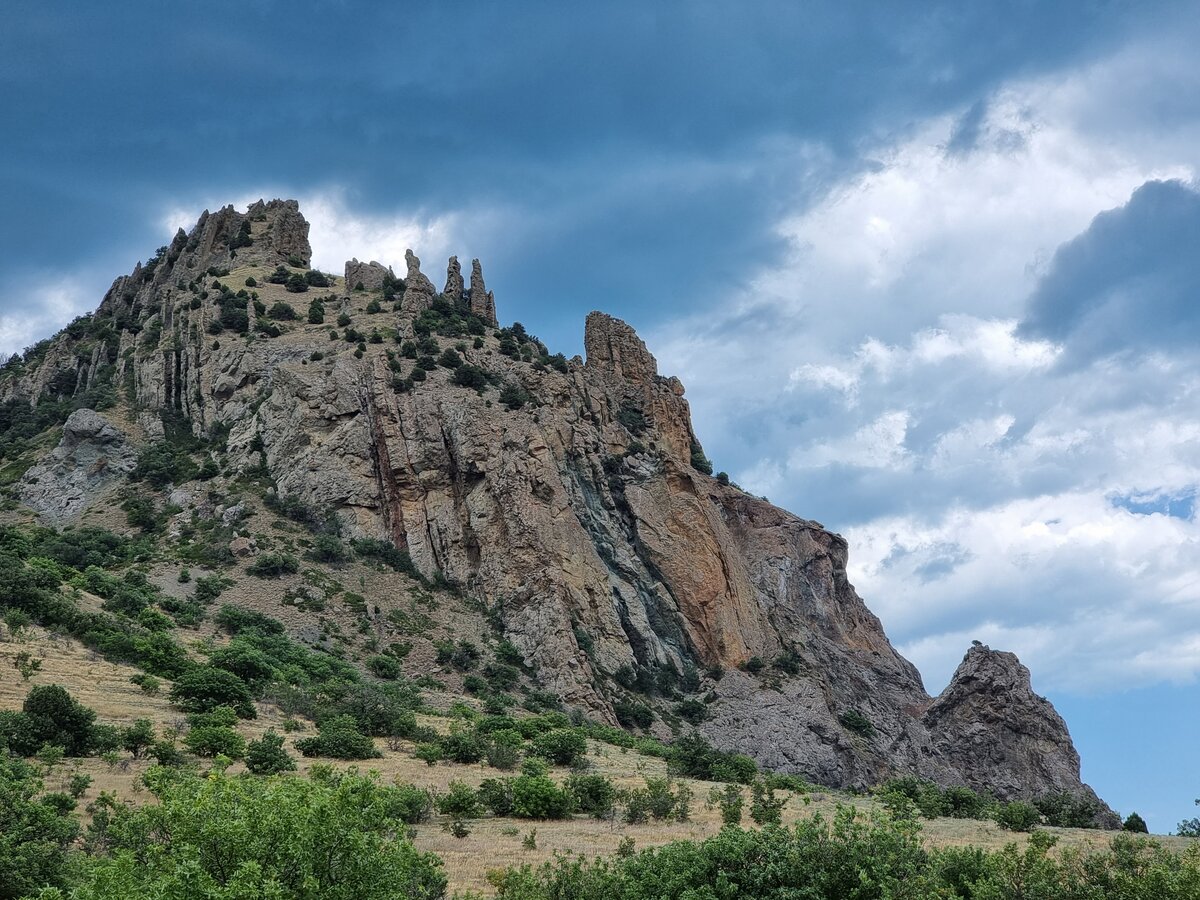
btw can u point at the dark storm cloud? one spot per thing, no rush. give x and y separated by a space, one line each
1128 284
641 147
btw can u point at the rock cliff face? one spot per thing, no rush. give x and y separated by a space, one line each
563 495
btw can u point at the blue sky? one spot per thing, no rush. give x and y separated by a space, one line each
930 272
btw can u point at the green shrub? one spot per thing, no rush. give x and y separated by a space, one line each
497 795
592 794
296 283
328 549
693 711
538 797
266 756
855 721
1068 810
410 804
273 565
387 667
316 312
462 745
731 803
204 688
632 714
1017 816
753 665
467 375
504 750
227 837
282 311
460 802
765 807
215 740
339 738
163 464
563 747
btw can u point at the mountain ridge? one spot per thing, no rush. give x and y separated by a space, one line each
570 498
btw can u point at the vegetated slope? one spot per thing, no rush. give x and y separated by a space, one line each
570 499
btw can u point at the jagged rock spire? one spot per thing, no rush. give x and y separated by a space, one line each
483 304
453 291
613 345
419 290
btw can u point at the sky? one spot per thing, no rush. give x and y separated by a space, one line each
930 272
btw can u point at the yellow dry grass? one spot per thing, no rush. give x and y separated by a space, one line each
493 842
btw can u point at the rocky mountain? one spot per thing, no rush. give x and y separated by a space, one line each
571 498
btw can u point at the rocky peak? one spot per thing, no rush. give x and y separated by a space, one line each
453 291
483 304
613 346
286 232
419 290
1003 737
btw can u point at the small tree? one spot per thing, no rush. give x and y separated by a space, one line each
731 803
282 311
1135 823
316 312
138 737
562 746
765 807
296 284
57 718
26 665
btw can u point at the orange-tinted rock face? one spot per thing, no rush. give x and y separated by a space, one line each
576 514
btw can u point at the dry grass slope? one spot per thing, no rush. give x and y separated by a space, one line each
493 842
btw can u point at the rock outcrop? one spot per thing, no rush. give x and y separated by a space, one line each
576 514
990 725
419 291
92 454
483 304
367 276
453 291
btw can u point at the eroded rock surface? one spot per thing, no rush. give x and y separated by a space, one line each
370 275
92 454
